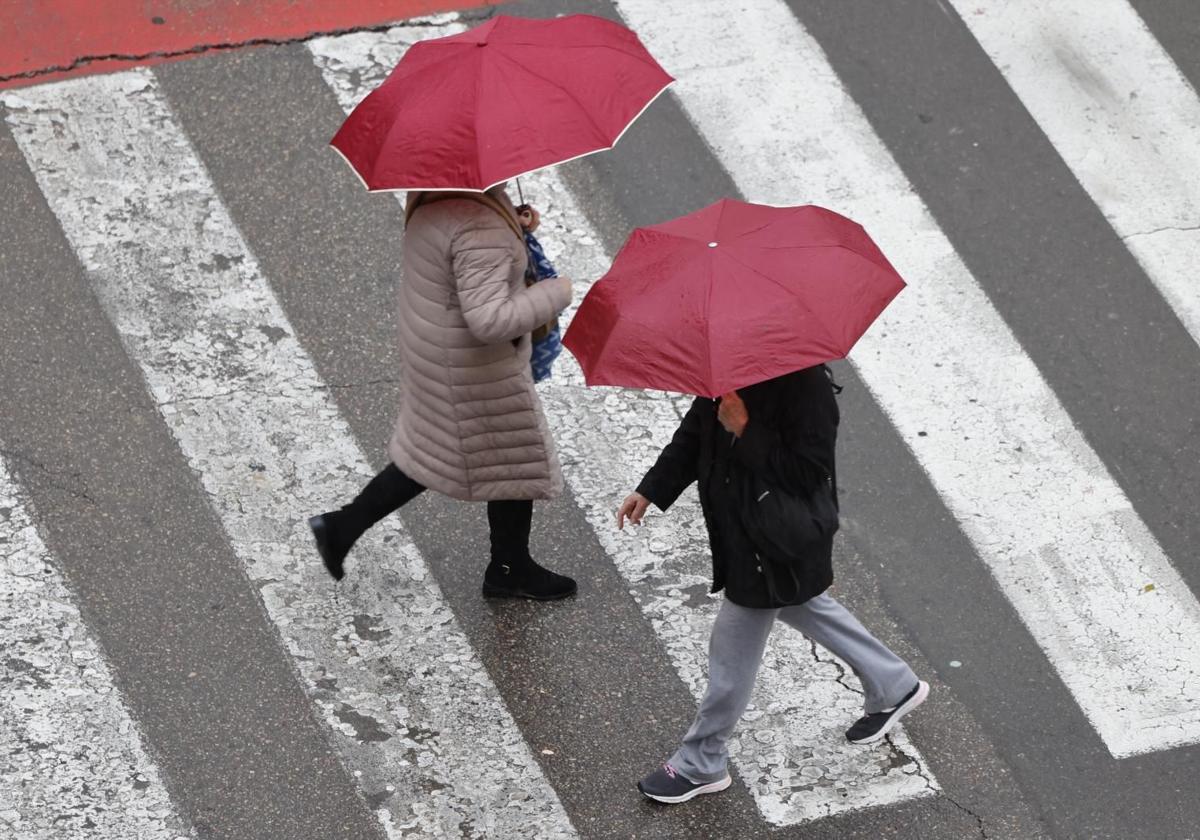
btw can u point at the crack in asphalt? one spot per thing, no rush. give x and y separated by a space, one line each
262 389
941 794
220 46
53 475
978 819
1161 230
841 677
929 783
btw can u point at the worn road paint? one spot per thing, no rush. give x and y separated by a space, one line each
790 748
414 712
71 758
1041 509
1124 119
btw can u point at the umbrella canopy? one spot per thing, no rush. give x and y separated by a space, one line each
510 96
729 296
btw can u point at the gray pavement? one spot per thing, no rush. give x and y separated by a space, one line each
1114 353
1176 25
588 680
200 667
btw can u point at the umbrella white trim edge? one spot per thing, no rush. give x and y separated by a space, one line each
510 177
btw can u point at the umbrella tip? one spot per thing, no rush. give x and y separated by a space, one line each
712 244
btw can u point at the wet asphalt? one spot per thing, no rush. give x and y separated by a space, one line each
203 669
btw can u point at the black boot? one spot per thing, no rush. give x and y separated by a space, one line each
513 572
525 579
331 543
336 532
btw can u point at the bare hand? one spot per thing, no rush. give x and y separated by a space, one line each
634 508
529 217
732 414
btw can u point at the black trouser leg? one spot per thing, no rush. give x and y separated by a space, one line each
509 523
337 531
386 493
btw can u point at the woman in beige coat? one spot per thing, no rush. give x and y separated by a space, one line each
470 423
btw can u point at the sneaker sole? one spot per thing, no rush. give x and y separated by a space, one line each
711 787
914 701
490 591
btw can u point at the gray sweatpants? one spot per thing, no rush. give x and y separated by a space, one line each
735 650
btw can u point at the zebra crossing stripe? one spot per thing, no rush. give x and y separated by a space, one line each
790 748
413 712
1063 542
1123 117
71 759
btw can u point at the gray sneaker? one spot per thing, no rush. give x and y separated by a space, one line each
666 784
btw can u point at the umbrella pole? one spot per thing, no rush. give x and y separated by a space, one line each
520 195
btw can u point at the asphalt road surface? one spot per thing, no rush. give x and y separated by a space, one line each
196 354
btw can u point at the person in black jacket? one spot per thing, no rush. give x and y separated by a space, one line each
782 432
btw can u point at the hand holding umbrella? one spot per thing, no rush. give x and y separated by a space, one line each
732 414
529 217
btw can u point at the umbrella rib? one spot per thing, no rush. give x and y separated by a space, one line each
603 345
475 117
776 283
643 55
437 62
582 154
797 247
866 257
708 321
553 83
396 124
763 226
720 216
660 230
520 105
794 208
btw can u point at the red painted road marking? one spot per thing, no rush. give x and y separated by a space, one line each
43 40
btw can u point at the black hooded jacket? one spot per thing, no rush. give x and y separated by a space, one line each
792 429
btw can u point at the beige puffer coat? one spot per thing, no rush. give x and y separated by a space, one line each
471 425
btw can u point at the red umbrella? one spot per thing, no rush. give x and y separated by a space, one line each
510 96
731 295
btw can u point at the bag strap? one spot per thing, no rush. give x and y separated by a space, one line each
427 197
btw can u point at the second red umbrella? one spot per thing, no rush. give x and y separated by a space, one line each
510 96
729 296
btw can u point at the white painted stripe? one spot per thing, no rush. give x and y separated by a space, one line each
1060 537
415 714
1122 116
71 758
790 749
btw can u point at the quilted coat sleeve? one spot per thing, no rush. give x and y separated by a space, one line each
483 263
677 466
